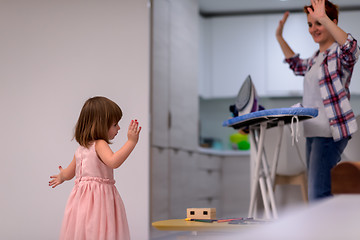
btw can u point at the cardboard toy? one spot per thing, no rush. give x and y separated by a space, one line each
201 213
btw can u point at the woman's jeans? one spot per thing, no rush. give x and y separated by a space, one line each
322 154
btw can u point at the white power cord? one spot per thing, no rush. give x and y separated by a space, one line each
297 134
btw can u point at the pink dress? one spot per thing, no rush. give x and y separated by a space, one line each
94 210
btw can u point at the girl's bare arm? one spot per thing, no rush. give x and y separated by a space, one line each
64 175
115 160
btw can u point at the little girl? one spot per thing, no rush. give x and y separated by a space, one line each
94 209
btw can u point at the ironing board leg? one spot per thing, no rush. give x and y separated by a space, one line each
263 174
259 150
270 192
270 176
277 152
265 199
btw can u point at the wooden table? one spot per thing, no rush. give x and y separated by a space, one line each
182 225
332 218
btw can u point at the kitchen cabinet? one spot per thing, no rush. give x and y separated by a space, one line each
280 79
160 184
174 107
183 65
174 101
160 72
183 190
209 181
233 48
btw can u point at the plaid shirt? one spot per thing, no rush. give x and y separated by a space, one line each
334 81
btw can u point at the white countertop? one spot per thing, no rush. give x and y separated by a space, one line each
219 152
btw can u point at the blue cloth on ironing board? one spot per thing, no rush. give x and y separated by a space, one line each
272 116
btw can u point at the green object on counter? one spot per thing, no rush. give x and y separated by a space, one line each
238 137
243 145
240 141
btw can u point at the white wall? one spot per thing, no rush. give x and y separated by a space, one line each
55 55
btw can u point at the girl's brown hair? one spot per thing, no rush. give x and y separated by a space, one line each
332 10
95 120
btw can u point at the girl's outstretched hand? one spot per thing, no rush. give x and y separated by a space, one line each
134 131
279 29
56 179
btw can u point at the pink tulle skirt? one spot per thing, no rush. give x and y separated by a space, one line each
94 211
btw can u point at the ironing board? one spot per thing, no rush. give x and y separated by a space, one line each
263 175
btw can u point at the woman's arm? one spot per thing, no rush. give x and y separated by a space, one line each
115 160
288 52
64 175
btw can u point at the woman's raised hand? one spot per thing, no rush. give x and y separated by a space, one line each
319 9
279 30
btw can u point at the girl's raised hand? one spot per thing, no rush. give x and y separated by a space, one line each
319 9
279 30
134 131
56 179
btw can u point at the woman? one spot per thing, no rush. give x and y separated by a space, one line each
327 76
